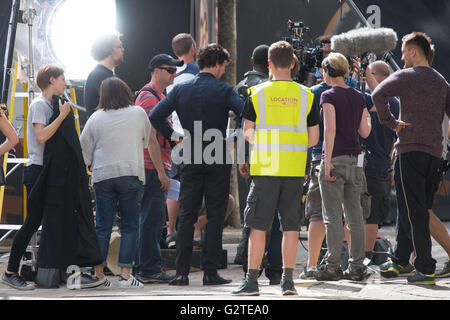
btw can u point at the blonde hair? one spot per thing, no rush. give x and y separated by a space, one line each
338 62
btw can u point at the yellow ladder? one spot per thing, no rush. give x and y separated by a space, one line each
75 110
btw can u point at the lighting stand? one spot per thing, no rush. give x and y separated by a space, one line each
28 16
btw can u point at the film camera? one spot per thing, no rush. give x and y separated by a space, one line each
309 55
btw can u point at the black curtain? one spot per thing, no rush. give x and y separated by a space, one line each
406 16
265 22
148 27
5 14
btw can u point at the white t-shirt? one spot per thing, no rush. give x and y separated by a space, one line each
40 111
179 79
112 142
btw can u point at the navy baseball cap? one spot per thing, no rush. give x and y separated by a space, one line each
164 58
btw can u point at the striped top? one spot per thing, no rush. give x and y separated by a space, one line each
148 101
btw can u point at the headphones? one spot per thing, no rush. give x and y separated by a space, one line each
331 71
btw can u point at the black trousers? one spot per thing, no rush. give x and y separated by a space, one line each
213 183
416 180
29 226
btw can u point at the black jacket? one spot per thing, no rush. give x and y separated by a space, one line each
68 233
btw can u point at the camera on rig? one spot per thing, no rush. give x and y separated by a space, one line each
309 55
295 26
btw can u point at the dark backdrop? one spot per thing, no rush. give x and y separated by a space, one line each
261 22
148 27
265 22
431 17
5 14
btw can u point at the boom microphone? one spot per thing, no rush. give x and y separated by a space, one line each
358 42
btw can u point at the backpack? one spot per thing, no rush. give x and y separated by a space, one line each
381 251
149 89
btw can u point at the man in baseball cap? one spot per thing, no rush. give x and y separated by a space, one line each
153 215
164 59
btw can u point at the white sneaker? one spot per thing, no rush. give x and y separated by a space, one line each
131 282
106 285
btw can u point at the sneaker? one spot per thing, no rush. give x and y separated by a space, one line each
88 281
80 280
246 289
106 285
161 277
131 282
16 281
355 274
288 288
445 272
171 240
308 274
326 274
420 278
392 270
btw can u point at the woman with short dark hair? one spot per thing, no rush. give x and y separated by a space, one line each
50 79
112 142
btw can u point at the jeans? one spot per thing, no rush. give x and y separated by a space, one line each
151 222
127 191
346 191
29 226
416 181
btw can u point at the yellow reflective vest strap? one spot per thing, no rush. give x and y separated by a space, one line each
281 137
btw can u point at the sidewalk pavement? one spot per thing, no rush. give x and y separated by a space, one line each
374 288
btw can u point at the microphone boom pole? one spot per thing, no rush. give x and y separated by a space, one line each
363 20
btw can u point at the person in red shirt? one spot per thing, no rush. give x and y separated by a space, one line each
157 165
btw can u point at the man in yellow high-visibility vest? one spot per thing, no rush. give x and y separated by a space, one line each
281 125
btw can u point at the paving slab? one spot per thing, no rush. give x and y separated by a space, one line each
374 288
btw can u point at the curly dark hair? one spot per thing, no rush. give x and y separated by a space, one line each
212 54
104 46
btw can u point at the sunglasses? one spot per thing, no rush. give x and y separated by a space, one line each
169 70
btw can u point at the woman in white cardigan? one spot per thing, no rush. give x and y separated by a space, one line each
113 140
